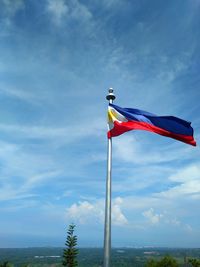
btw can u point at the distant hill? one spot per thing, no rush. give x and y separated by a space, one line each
92 257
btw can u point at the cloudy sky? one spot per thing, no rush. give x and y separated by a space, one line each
57 60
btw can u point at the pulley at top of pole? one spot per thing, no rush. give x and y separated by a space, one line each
110 97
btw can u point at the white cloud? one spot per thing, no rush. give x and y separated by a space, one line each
139 203
160 212
20 94
11 7
88 212
65 134
117 216
127 148
22 170
189 183
19 205
32 168
164 219
174 222
92 212
110 4
152 216
9 190
188 228
80 11
171 71
16 160
82 212
189 173
39 179
58 9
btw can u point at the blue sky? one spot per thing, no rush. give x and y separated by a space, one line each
57 60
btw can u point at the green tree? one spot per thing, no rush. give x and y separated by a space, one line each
70 253
167 261
152 263
194 262
6 264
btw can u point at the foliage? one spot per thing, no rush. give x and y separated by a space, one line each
6 264
152 263
167 261
194 262
71 252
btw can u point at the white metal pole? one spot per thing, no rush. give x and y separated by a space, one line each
107 227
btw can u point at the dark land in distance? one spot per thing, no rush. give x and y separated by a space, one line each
92 257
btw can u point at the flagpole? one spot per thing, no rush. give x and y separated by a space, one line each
107 227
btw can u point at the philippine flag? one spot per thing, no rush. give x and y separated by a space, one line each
121 120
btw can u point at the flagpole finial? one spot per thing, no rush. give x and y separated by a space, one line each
110 95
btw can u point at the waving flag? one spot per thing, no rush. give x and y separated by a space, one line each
121 120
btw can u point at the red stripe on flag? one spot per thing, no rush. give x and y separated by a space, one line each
122 127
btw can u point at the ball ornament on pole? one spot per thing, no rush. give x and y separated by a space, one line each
110 95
